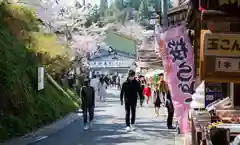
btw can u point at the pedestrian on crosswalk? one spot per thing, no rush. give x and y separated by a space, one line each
131 88
88 103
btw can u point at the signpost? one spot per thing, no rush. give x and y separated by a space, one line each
220 57
40 78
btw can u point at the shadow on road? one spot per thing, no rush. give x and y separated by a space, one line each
109 129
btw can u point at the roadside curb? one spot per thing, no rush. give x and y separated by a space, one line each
44 132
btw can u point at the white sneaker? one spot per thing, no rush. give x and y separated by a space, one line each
86 127
128 129
133 127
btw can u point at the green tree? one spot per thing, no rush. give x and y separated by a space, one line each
103 6
170 4
133 4
119 4
157 4
93 16
143 10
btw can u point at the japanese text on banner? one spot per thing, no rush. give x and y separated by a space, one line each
178 50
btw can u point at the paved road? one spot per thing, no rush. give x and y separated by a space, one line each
109 128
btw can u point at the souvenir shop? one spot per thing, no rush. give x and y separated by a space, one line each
214 115
206 69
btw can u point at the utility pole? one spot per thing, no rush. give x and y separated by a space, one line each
165 15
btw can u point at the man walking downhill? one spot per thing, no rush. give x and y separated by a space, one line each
88 103
130 90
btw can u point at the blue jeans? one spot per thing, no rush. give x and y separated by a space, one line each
88 110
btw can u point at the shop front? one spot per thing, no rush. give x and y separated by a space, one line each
214 115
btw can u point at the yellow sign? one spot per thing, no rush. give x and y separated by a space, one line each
219 44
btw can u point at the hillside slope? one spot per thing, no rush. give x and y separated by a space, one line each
22 107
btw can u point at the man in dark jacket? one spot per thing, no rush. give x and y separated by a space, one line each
130 90
88 103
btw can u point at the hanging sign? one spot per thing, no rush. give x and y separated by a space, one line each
40 78
110 64
220 57
177 55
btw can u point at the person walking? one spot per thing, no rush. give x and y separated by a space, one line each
118 82
94 83
147 93
102 86
129 92
88 103
142 84
164 90
156 99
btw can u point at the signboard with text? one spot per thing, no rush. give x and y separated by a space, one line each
220 57
109 64
177 55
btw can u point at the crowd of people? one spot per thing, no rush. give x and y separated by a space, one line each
132 88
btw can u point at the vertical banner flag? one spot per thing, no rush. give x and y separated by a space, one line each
178 61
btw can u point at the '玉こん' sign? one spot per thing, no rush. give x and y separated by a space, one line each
220 57
220 44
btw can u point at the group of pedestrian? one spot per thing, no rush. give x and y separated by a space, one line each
134 87
131 89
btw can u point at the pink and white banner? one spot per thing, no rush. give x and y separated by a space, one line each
177 54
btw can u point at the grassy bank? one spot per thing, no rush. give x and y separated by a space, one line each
22 107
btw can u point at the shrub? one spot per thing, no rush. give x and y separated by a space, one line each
22 108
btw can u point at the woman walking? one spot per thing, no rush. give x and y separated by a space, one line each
102 86
157 100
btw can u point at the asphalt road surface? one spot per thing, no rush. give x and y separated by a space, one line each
109 128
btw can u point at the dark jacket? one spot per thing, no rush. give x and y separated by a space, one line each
88 96
130 91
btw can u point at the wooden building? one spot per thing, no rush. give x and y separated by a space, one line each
147 59
177 15
219 17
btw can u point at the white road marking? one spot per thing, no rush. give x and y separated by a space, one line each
40 138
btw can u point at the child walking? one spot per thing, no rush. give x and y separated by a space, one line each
157 100
147 93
